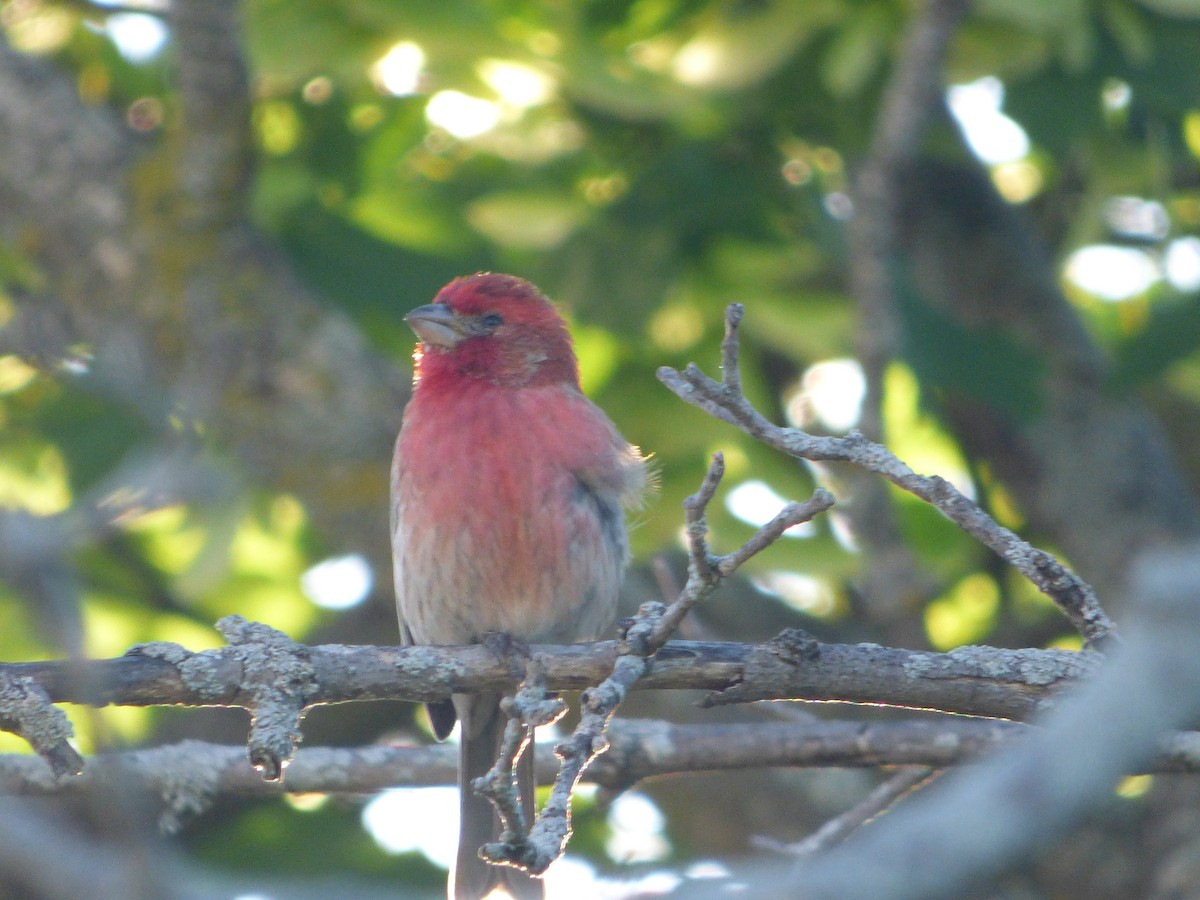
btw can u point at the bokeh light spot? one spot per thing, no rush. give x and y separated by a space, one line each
638 830
830 392
755 503
339 582
461 114
992 136
404 820
1182 263
138 37
398 72
1110 272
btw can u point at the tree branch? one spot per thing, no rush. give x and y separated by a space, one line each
642 637
837 829
973 824
216 161
25 710
720 400
216 332
913 93
912 96
189 776
983 681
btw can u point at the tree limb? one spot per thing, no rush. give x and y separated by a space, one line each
972 824
910 100
642 637
189 776
216 149
840 827
719 399
983 681
218 333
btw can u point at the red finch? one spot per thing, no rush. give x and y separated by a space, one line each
508 496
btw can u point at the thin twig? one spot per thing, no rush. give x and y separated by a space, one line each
791 515
25 710
730 366
643 636
694 508
879 801
1073 596
532 706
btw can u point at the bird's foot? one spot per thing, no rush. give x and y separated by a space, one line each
508 649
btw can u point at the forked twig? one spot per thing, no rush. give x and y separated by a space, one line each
840 827
723 400
642 637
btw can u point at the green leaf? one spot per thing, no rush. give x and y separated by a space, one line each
526 220
857 51
1130 31
978 363
1180 9
1171 333
91 433
375 281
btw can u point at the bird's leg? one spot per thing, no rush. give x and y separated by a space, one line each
504 785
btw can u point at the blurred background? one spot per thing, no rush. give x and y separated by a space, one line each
213 217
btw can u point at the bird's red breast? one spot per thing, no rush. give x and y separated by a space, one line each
508 484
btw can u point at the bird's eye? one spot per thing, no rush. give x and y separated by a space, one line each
492 320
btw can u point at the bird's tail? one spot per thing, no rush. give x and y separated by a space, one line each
473 878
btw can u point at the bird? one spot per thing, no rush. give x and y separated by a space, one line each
509 494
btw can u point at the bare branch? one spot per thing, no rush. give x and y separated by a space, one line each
910 100
191 775
975 823
913 94
730 365
791 515
642 638
694 508
216 160
532 706
275 676
705 571
25 710
981 681
1069 592
841 827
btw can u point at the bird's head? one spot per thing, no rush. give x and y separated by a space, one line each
493 327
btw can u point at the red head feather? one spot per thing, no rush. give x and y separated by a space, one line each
493 327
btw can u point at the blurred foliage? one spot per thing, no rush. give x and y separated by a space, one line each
645 162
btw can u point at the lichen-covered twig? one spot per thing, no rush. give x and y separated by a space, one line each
26 710
642 636
725 401
189 776
532 706
280 678
976 681
276 681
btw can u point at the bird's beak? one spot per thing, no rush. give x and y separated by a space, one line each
436 324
